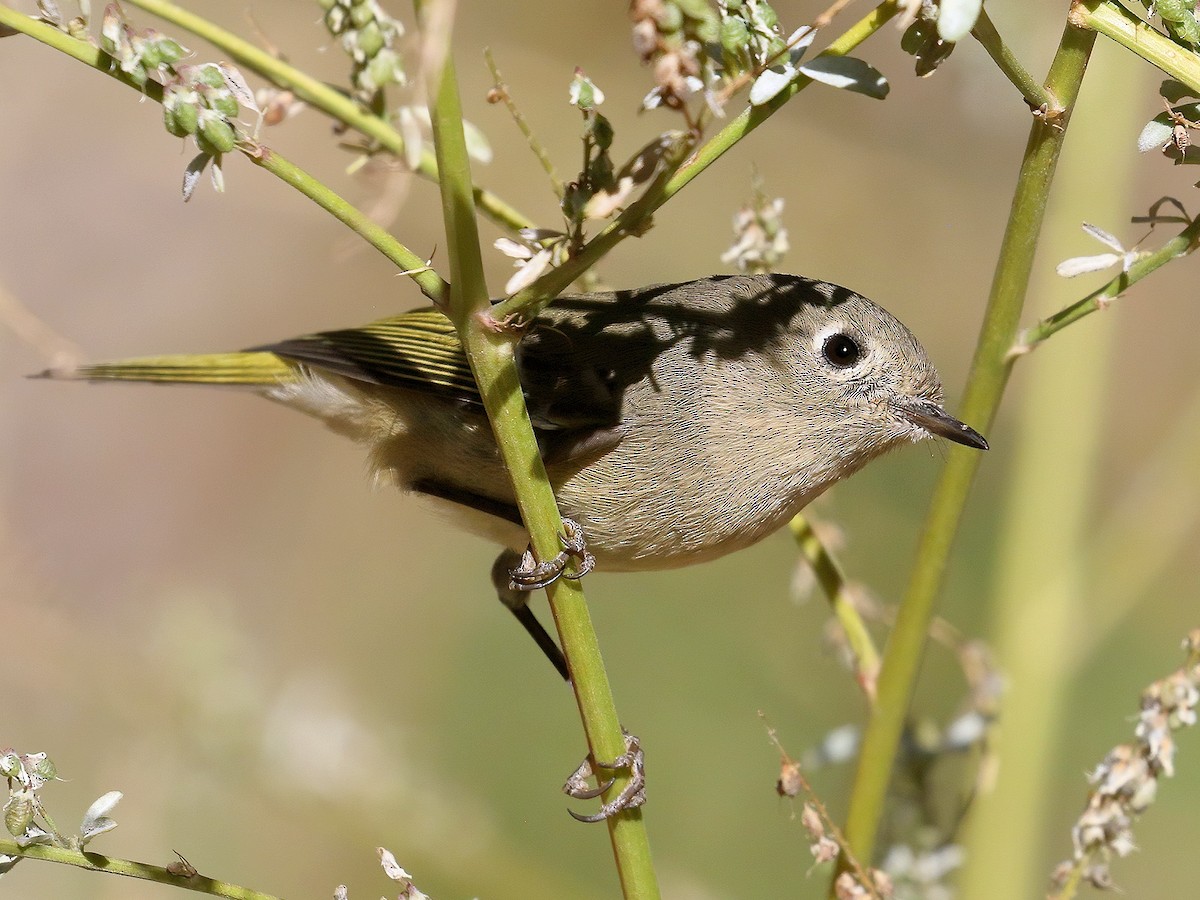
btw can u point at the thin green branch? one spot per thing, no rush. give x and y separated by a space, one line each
431 283
829 575
1035 94
985 386
502 94
95 862
1118 24
415 267
76 49
1180 245
633 220
321 96
490 353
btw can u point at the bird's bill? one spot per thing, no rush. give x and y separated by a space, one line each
938 422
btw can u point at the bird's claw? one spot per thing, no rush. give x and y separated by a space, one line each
632 795
532 575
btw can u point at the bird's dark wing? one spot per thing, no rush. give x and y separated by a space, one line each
417 350
568 389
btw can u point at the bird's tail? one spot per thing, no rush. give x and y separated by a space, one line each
248 369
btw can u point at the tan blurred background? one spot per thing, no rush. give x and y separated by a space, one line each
208 607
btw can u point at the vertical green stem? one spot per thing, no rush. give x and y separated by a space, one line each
989 374
1043 582
490 352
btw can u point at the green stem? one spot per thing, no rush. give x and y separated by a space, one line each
989 374
430 282
535 144
1118 24
1180 245
81 50
321 96
526 303
432 285
490 352
95 862
829 575
1034 93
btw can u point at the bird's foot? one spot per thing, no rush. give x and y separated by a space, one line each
632 795
531 575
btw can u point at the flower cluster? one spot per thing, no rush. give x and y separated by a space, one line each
369 35
199 101
760 240
27 820
670 35
1126 782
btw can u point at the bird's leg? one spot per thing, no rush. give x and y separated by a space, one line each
517 602
631 796
531 575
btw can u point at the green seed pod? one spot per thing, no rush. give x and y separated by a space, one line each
370 40
43 766
138 75
170 51
361 16
326 4
171 123
223 102
210 75
185 118
215 136
670 19
18 813
151 56
383 69
734 35
336 20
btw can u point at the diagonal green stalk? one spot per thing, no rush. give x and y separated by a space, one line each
96 862
1034 93
490 351
1118 24
1180 245
319 95
429 281
526 303
989 374
829 575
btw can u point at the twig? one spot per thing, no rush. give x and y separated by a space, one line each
429 281
985 386
490 352
1180 245
829 575
1120 25
323 97
632 221
501 93
1034 93
96 862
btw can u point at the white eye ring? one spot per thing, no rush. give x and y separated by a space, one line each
837 347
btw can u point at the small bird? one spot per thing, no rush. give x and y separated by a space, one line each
678 422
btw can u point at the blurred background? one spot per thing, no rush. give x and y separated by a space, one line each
208 607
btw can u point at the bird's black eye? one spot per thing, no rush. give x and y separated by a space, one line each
841 350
